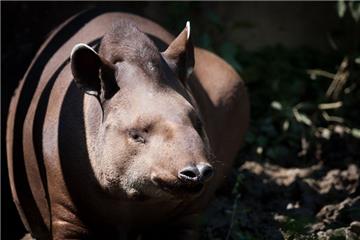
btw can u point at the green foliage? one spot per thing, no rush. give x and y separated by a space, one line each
293 228
285 100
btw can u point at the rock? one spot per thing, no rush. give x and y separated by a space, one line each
355 227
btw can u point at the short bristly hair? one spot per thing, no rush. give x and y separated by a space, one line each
125 42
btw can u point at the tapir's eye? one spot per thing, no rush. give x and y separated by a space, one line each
136 135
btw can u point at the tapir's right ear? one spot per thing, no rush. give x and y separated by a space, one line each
180 54
92 74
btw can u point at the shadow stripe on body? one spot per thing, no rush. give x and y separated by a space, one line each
38 123
31 81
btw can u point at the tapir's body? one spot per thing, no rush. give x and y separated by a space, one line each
51 125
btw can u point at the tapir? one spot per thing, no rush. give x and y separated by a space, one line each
118 130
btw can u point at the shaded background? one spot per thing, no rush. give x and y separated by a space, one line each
288 54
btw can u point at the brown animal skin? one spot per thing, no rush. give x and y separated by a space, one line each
107 164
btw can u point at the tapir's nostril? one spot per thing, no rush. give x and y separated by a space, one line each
195 174
190 174
206 171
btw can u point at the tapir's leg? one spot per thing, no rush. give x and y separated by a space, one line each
67 230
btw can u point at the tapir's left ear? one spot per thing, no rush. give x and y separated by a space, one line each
93 74
180 54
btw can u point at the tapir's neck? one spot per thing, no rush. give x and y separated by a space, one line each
92 121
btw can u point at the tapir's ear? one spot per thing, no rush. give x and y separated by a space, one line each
92 74
180 54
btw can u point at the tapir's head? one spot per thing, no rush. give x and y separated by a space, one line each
151 141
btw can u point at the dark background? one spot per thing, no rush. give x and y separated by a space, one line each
239 32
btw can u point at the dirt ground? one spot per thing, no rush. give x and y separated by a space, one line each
319 200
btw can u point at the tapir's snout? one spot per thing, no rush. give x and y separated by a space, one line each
194 174
189 180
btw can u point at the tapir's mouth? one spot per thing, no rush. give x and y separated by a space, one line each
179 188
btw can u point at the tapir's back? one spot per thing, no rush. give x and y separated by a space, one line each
33 150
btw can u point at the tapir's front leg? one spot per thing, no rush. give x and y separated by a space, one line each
66 230
66 224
